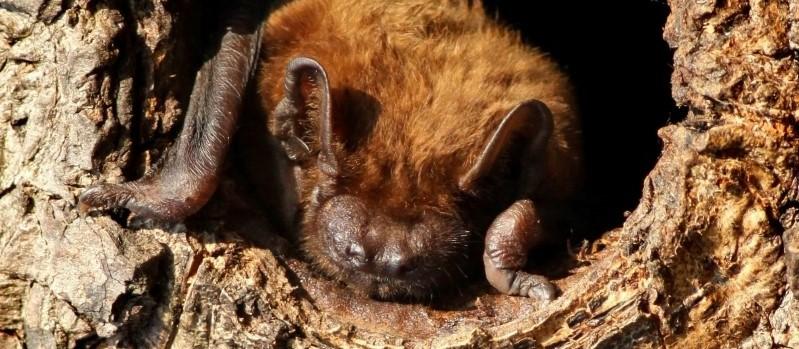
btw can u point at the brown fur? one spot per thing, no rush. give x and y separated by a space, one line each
444 76
418 86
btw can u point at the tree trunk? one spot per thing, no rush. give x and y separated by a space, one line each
94 90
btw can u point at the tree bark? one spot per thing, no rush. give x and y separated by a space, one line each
94 90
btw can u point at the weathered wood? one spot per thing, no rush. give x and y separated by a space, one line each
93 90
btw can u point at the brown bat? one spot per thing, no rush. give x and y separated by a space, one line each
402 132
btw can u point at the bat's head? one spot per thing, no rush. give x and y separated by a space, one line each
385 254
376 220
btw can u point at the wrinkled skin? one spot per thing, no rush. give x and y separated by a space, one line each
507 243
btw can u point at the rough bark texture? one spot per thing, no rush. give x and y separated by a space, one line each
94 90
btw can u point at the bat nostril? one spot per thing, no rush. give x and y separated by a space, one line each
356 255
396 265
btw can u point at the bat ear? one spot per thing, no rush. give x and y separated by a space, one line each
306 88
528 125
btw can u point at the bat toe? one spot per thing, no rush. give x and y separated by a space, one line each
138 198
103 196
538 287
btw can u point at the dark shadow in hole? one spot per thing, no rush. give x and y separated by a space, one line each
620 67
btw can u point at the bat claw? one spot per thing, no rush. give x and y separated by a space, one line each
519 283
101 197
108 196
146 200
536 286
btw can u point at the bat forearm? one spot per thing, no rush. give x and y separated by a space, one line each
212 117
189 173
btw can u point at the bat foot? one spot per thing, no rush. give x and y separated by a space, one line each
535 286
105 196
143 200
519 283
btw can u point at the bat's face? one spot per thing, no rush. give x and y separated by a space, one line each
414 254
385 236
381 210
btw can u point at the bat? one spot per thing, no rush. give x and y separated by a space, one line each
406 139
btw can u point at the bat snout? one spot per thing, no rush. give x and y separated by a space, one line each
386 260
